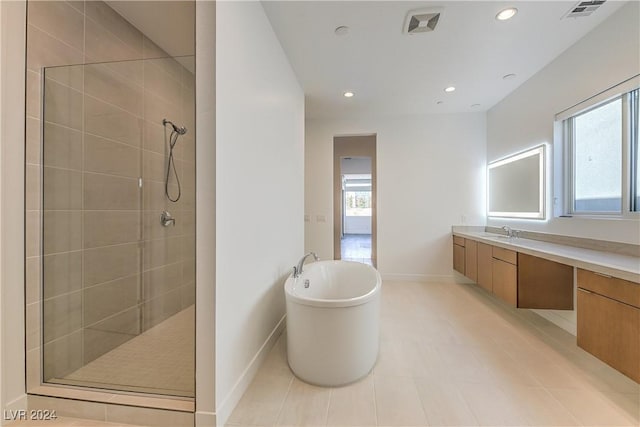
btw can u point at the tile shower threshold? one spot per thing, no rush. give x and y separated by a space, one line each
180 404
120 388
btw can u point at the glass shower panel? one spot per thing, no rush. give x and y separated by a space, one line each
118 255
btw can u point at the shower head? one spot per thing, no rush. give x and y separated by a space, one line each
179 130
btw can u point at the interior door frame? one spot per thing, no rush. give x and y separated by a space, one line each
354 146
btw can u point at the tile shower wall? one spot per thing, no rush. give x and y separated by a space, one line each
111 270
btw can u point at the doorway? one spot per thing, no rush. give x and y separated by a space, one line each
355 217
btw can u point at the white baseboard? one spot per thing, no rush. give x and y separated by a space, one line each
240 387
205 419
419 278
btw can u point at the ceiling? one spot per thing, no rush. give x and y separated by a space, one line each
169 24
392 73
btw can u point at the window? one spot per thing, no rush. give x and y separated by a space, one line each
358 203
597 159
602 154
357 194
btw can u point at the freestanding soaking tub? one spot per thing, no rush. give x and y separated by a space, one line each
333 316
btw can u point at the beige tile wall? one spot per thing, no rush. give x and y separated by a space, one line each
110 269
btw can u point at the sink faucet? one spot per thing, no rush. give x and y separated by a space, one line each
297 270
508 230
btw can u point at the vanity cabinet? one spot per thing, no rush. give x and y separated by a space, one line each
609 321
485 266
608 308
471 259
458 254
544 284
505 275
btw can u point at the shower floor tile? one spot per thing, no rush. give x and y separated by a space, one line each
160 360
451 354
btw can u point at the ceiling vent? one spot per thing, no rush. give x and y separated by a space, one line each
422 20
584 8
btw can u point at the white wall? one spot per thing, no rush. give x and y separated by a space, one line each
12 334
259 190
606 56
430 174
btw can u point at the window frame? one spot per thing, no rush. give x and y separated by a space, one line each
634 151
565 125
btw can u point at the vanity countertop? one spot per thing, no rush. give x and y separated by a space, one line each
621 266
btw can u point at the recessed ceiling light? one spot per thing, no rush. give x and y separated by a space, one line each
475 105
508 77
505 14
342 30
449 89
348 94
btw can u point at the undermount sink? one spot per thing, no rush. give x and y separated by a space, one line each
498 236
487 234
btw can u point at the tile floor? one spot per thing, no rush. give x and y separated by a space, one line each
67 422
356 247
160 360
452 355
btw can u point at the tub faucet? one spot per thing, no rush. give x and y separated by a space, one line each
297 270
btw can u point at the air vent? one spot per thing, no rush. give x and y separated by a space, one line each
422 20
584 8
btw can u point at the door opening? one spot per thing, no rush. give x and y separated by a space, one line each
355 199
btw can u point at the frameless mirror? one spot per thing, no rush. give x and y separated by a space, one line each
516 185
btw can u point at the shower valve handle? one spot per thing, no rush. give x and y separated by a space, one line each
167 220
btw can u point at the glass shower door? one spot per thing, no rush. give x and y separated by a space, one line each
118 282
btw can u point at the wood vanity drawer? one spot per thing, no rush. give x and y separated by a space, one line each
457 240
485 266
505 255
458 258
609 330
612 287
471 259
544 284
505 281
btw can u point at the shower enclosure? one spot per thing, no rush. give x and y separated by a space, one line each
118 226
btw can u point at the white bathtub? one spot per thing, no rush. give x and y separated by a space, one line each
333 328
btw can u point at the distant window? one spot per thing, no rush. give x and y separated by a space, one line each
358 203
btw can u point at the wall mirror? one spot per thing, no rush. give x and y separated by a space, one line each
516 185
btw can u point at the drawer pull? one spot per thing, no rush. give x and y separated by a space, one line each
602 275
